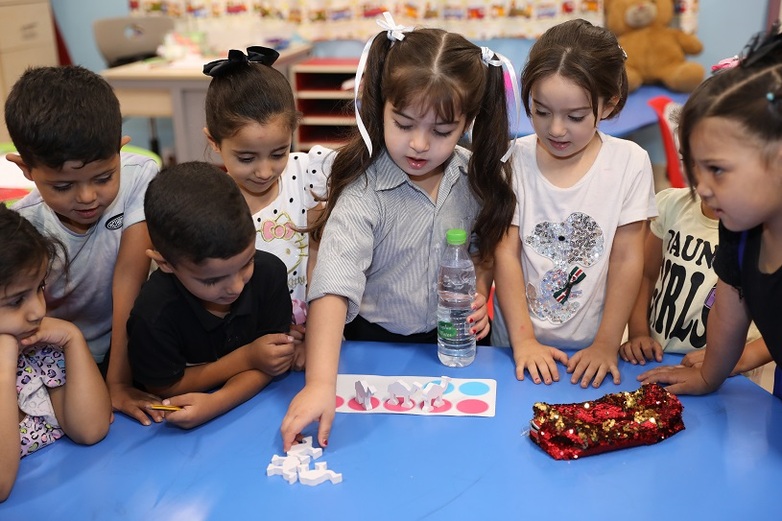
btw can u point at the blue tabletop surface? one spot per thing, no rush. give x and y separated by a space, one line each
635 115
726 464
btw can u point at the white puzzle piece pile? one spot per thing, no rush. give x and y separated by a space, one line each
296 465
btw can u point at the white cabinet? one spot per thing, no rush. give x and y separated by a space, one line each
26 39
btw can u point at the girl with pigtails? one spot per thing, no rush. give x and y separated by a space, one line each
395 189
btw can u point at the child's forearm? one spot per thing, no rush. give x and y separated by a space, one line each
85 410
204 377
325 325
726 333
484 277
755 355
237 390
625 270
638 325
130 273
509 288
9 415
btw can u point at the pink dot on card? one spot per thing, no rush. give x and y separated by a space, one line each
340 401
472 406
443 408
396 405
353 404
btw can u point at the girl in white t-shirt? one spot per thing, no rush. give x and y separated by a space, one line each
568 270
250 119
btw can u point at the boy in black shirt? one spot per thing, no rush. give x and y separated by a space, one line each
216 313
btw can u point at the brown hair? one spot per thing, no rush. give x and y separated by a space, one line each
749 94
245 93
444 71
24 249
587 55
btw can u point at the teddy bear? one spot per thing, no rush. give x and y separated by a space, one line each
656 53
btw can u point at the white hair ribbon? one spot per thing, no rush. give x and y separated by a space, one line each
488 57
394 32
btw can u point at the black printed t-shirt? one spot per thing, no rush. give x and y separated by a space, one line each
169 329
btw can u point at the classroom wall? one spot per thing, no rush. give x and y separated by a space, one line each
723 30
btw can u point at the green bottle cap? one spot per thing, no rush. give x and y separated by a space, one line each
456 236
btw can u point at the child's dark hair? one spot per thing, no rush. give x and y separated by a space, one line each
749 94
446 72
195 211
587 55
60 114
244 91
24 249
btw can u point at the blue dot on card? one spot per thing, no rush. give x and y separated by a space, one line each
474 388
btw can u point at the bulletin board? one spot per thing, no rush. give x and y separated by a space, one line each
318 20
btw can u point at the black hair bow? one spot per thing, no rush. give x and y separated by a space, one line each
255 54
761 45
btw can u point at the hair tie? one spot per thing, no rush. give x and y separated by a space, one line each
395 33
624 53
255 54
723 65
488 57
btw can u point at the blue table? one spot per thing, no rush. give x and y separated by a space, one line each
635 115
727 464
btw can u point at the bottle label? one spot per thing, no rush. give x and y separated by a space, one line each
446 330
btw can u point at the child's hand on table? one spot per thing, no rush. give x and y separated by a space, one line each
680 379
640 349
593 364
134 403
539 360
313 403
196 408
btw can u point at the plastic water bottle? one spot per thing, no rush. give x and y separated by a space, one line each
456 290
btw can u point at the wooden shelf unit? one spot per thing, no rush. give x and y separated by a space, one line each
319 87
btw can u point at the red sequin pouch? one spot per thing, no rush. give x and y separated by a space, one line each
615 421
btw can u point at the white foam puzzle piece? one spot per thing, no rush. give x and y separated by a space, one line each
295 465
318 475
433 394
401 389
364 393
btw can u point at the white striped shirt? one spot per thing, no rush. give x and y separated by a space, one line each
382 244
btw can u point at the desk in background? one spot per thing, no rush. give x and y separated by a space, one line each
726 464
156 89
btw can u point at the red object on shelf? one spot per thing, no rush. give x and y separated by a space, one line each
665 108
